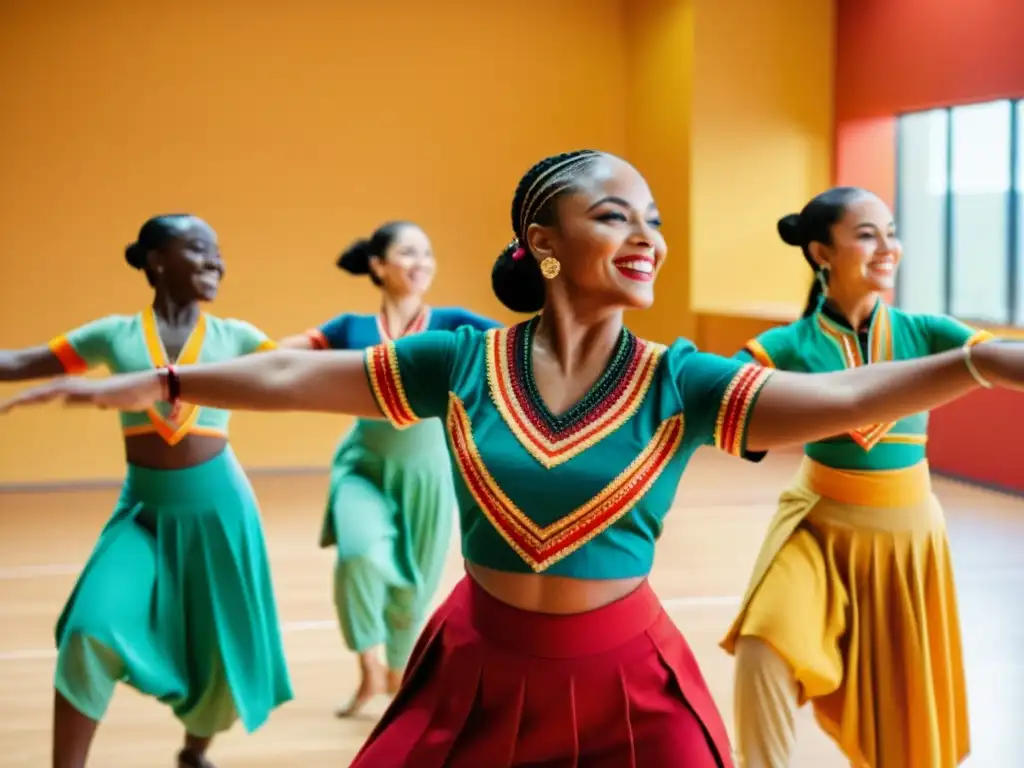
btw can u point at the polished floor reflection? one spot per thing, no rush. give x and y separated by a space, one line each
702 566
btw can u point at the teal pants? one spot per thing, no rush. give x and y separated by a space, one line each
176 601
389 517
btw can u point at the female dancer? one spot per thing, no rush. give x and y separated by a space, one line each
852 603
391 501
176 599
569 435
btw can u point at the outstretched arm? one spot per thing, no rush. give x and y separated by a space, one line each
794 408
298 341
32 363
286 380
402 381
73 352
334 334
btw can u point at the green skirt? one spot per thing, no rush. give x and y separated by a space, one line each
176 600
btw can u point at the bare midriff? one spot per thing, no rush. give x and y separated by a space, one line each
551 594
153 452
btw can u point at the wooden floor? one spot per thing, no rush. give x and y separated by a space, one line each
702 566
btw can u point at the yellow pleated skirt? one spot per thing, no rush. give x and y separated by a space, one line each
853 587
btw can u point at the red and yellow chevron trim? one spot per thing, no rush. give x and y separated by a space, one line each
554 448
734 410
386 381
880 343
419 323
541 547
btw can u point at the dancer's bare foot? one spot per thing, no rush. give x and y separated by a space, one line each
395 680
374 682
188 758
193 754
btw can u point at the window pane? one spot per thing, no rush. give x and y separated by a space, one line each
1019 186
921 195
981 185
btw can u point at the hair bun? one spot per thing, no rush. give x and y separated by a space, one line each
135 255
356 258
790 230
518 283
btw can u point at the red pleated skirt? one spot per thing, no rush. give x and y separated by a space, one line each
492 686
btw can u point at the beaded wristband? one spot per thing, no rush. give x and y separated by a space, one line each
969 362
172 385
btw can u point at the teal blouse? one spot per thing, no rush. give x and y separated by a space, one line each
583 493
352 331
130 343
824 341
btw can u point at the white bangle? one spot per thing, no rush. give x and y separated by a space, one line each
969 362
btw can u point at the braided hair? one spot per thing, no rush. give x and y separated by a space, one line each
814 225
516 278
153 235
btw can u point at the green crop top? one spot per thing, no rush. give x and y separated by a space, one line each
582 494
824 341
126 344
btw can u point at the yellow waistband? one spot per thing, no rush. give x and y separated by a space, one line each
149 429
879 488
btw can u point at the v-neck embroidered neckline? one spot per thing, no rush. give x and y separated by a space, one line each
419 322
609 403
182 417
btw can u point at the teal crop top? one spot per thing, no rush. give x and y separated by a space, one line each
353 331
582 494
824 341
127 344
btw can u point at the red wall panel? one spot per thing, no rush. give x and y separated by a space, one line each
895 56
973 439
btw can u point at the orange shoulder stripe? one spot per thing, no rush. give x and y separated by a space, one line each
73 362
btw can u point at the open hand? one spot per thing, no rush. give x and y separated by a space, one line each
124 392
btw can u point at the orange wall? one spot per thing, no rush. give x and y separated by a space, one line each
291 127
761 144
293 130
659 114
708 134
896 56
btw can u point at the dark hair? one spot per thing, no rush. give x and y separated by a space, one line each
518 283
814 225
153 235
356 258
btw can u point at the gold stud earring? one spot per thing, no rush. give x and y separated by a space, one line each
550 267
